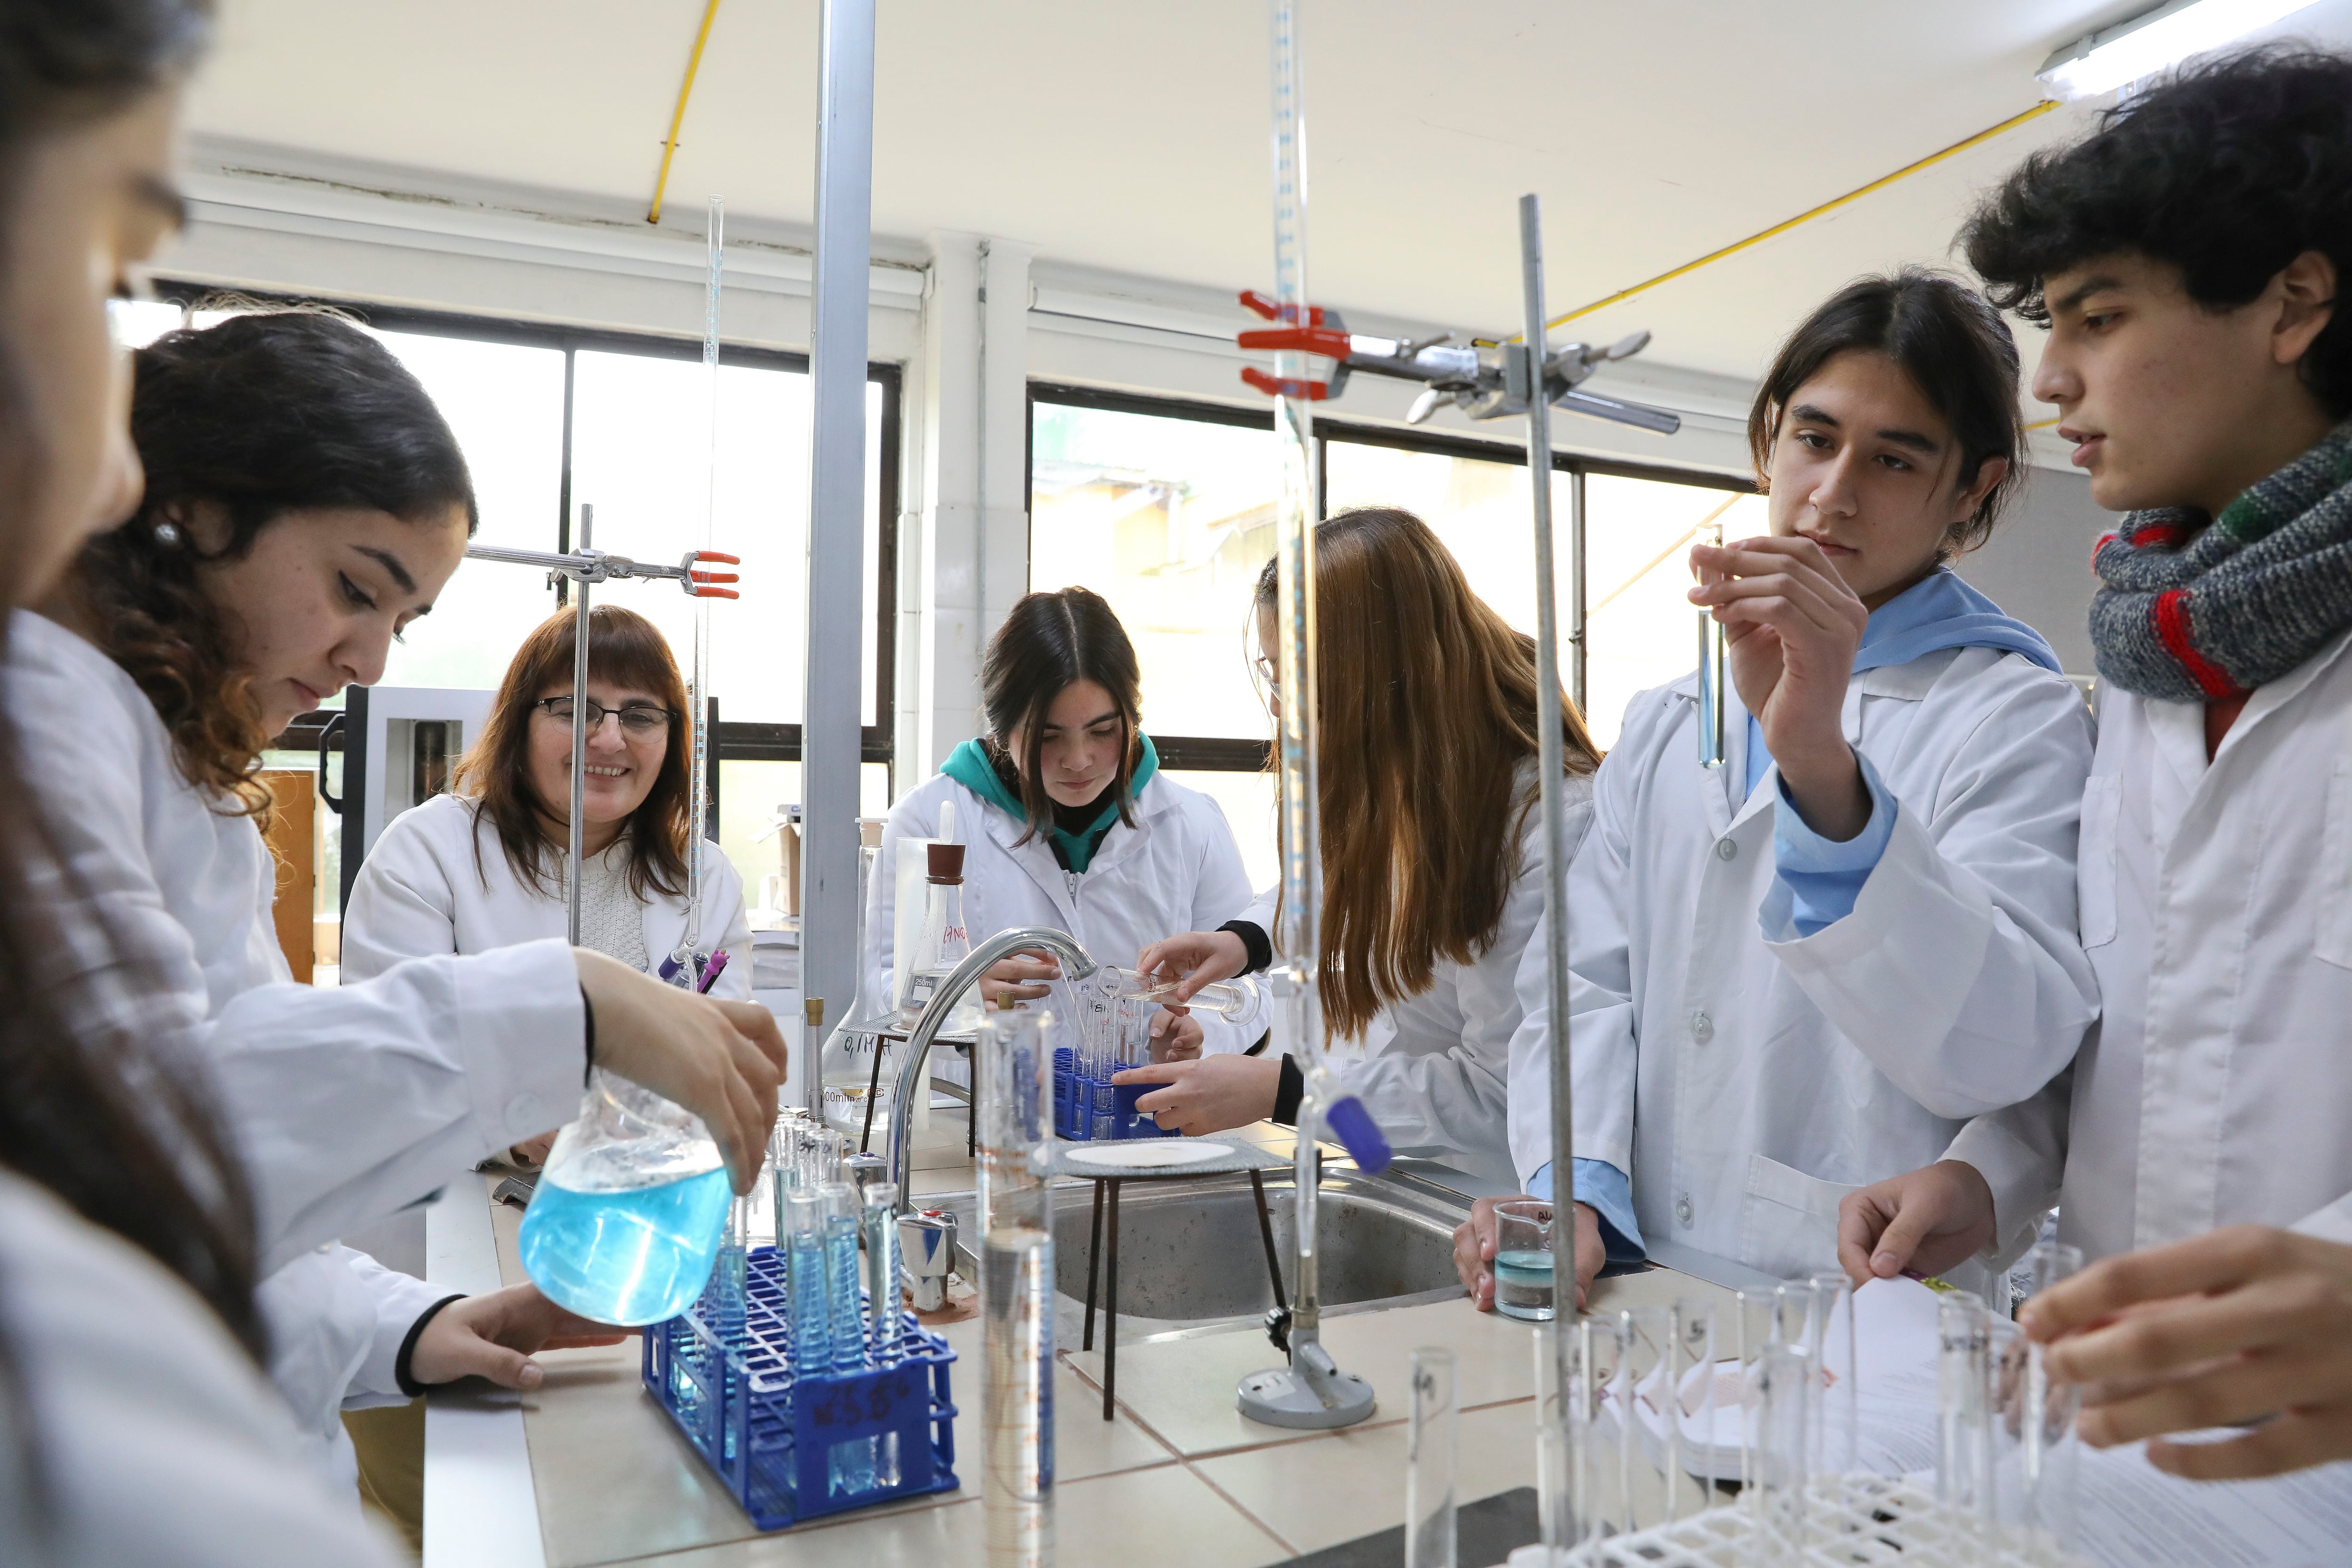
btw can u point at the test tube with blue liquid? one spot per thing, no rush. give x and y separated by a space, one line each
841 1276
812 1329
882 1287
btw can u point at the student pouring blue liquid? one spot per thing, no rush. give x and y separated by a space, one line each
627 1219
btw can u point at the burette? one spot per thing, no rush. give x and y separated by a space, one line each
688 962
1311 1391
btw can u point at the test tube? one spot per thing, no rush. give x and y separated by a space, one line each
1964 1467
1783 1459
1711 667
1017 1286
2049 1454
1555 1498
730 1279
842 1214
1837 1413
882 1289
1432 1453
811 1335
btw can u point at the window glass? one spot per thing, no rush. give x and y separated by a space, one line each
1641 630
505 402
750 795
1248 802
640 441
1479 509
1170 520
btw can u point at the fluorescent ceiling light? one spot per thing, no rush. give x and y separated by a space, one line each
2117 56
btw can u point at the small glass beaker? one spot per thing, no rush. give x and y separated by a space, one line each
1523 1260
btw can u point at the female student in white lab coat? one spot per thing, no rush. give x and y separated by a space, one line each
1067 820
1432 858
1805 969
482 867
304 499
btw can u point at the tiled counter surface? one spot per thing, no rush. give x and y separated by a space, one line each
1178 1478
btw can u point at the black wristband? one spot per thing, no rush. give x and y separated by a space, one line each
408 1384
1288 1093
1255 942
588 1014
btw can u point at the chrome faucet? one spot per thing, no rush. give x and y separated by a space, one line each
1075 965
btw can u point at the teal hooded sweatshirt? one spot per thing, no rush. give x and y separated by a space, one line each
969 765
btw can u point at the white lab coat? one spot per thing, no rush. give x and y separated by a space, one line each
1435 1069
423 891
2217 911
348 1104
156 1440
1177 869
1773 1074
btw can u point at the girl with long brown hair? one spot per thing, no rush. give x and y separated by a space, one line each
304 502
1432 861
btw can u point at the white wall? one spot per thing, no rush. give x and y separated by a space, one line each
2037 566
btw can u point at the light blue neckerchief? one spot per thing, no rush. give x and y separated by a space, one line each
1939 611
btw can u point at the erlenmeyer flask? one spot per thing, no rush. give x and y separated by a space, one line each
628 1216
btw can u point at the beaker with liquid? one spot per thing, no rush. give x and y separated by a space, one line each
627 1221
1523 1259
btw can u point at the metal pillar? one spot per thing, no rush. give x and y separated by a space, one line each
1554 810
837 536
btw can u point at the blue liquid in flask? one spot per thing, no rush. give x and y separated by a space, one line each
636 1256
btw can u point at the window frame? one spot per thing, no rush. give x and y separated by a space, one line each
1221 754
735 741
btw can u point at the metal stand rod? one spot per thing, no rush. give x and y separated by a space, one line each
873 1093
1554 807
1094 1268
1111 1307
1266 1234
837 542
572 854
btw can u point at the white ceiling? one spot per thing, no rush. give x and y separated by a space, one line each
1133 137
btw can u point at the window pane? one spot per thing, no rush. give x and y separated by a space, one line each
749 795
1249 805
506 404
640 437
1641 630
1171 521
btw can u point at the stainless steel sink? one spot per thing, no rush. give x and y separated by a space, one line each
1191 1259
1192 1251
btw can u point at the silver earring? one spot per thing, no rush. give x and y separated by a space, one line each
167 533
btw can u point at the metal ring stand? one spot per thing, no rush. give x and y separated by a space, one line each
1104 1264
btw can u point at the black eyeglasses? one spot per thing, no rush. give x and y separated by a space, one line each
637 718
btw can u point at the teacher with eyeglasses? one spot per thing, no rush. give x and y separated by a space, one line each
483 866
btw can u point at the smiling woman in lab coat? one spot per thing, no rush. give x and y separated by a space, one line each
1805 969
483 868
1067 821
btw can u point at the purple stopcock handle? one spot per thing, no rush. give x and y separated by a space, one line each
1358 1134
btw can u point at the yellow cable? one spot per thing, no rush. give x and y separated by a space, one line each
2013 121
678 116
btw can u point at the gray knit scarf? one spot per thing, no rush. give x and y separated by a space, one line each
2195 614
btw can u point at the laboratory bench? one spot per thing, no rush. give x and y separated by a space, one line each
588 1469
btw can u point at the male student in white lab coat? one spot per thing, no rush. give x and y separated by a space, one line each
1804 968
2188 258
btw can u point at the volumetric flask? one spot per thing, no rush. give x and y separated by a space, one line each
627 1221
1432 1451
1523 1259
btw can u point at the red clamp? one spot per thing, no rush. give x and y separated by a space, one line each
1286 386
1272 311
702 585
1322 335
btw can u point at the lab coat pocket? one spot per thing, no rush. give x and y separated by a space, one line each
1789 1225
2094 859
2332 942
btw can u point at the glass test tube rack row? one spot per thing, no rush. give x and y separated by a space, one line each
1673 1409
1114 1009
797 1375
